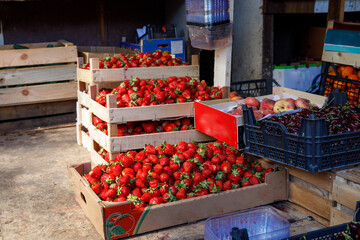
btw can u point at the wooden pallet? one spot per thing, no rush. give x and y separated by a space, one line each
37 85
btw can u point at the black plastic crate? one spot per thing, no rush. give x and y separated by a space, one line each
312 150
329 233
330 82
253 88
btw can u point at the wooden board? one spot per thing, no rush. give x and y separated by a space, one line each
36 110
344 58
125 143
310 200
338 217
345 194
121 74
27 57
33 75
100 52
312 97
39 122
37 94
29 45
352 174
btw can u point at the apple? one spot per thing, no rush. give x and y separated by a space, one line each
282 105
302 103
267 104
252 102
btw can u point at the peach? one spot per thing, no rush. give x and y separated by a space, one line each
258 114
292 101
302 103
282 105
268 112
235 98
252 102
267 104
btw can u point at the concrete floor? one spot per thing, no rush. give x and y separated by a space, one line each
36 201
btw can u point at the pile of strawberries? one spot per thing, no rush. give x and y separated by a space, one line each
144 127
155 59
169 173
156 91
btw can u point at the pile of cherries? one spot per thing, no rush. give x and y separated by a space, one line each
338 118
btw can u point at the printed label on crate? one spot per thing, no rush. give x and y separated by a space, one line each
121 221
176 47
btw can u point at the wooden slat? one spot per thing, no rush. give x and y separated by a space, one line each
32 75
341 58
36 110
31 123
120 74
336 10
338 217
323 180
125 143
29 45
352 174
345 194
26 57
37 94
310 200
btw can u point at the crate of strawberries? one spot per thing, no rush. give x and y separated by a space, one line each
315 139
125 67
171 184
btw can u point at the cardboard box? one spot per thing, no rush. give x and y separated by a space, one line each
211 118
118 220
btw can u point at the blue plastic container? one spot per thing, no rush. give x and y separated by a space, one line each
261 223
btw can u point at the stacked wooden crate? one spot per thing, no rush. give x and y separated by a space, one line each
89 83
37 85
345 192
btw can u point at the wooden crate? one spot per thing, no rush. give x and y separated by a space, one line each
160 216
342 57
96 75
100 52
312 191
37 83
112 114
346 191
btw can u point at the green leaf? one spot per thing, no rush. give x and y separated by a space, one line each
118 230
110 224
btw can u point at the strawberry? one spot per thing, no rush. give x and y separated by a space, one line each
96 172
97 187
181 194
188 166
126 161
158 168
156 200
254 180
169 149
116 169
150 149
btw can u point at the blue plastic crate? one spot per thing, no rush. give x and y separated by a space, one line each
261 223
